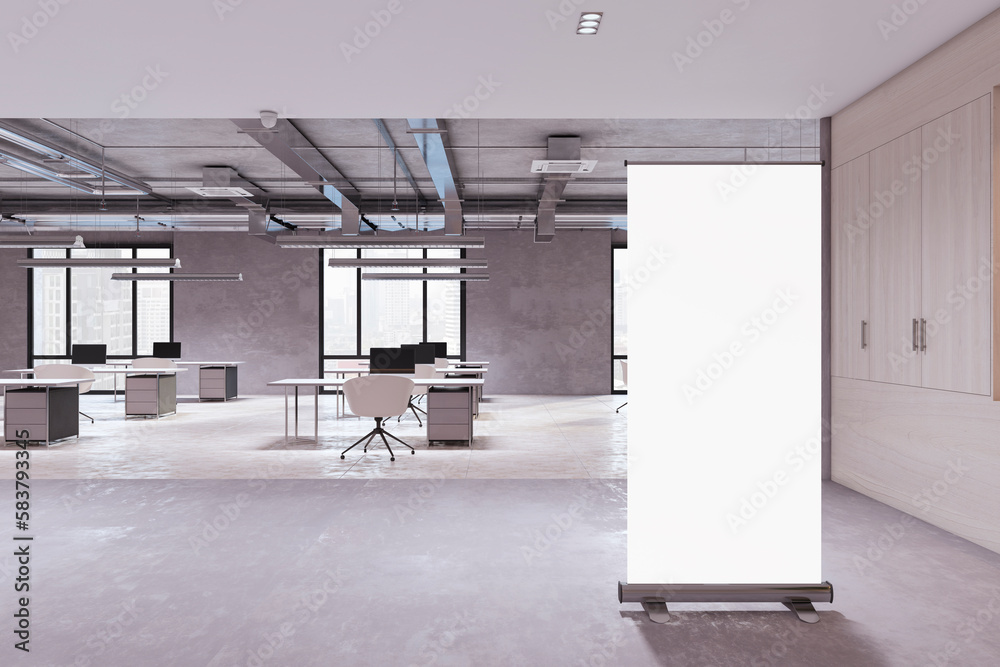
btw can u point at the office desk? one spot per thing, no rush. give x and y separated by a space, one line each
216 379
47 409
477 392
337 383
148 396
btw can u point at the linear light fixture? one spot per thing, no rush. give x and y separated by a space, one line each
391 263
589 23
356 242
180 277
63 157
75 242
101 262
467 277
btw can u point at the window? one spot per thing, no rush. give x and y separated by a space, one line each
619 317
83 305
360 314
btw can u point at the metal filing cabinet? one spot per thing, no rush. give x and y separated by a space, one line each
217 382
45 421
150 395
449 414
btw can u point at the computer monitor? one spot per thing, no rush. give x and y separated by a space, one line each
390 360
89 354
423 353
440 349
165 350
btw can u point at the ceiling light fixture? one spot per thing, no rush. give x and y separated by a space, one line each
43 242
268 118
394 263
589 23
467 277
180 277
100 262
348 242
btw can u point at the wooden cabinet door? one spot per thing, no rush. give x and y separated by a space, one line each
895 259
956 265
849 249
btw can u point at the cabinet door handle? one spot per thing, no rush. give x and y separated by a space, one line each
864 334
914 334
923 335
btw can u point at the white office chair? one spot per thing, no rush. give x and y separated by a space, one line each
420 371
441 362
67 372
625 380
153 362
380 397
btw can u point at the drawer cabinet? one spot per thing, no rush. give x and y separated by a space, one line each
217 382
449 414
150 395
37 415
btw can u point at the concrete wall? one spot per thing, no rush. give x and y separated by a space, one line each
13 310
543 318
270 320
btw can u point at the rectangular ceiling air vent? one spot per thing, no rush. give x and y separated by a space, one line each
228 191
562 166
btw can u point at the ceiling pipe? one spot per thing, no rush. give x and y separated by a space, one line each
429 135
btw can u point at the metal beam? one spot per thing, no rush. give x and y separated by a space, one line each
434 151
288 144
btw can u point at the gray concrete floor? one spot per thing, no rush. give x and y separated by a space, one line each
248 567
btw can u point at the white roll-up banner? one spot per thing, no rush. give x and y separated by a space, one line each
724 380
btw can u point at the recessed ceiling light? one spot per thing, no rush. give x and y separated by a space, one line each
589 23
587 31
591 16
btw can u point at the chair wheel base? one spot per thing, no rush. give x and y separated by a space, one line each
341 456
392 458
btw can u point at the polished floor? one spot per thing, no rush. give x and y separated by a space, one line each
452 572
550 437
205 539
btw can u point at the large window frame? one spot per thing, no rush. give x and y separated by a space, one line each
621 268
360 353
68 306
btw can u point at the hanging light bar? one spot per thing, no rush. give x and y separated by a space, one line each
74 242
101 262
467 277
318 241
392 263
180 277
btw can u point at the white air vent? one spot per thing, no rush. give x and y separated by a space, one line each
562 166
221 192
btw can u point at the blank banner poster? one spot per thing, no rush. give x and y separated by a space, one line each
724 312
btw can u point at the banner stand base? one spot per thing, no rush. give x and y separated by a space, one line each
799 598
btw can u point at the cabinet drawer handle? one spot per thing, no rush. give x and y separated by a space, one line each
914 334
864 335
923 335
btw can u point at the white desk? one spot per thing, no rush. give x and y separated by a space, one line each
337 383
30 409
213 384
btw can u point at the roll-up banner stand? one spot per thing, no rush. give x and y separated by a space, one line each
724 421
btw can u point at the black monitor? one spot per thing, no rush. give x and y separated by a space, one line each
440 349
167 350
90 354
390 360
423 353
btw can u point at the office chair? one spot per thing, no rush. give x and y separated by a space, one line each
68 372
420 371
625 380
380 397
